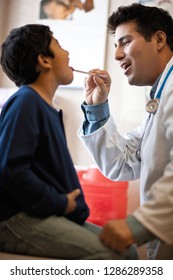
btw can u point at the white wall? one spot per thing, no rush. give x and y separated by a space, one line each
13 14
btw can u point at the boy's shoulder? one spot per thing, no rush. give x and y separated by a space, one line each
25 95
24 99
25 92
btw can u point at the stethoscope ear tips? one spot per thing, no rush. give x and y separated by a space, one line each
152 105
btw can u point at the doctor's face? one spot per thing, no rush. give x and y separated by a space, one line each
137 57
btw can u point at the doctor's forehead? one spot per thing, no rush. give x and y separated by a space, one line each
126 30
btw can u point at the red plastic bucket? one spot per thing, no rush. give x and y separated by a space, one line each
106 199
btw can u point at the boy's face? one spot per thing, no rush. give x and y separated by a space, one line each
60 63
137 57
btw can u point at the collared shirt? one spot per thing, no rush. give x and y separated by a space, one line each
95 116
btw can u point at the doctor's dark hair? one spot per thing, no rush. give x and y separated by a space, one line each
20 50
148 21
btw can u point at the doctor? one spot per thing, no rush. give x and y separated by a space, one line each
144 50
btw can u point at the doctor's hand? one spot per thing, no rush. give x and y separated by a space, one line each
71 201
97 88
117 235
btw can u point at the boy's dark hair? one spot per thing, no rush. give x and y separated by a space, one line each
148 20
20 50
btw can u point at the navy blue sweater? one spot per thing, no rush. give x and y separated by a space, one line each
36 169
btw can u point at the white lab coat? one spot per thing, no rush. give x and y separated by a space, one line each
115 155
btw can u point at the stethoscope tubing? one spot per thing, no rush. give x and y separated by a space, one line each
151 107
153 104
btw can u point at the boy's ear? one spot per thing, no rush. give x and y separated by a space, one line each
43 61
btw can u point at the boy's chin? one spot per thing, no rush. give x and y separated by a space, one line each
66 82
69 81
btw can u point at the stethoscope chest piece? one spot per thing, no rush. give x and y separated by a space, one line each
152 105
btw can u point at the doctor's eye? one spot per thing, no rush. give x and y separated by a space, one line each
125 43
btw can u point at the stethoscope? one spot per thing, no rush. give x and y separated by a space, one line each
151 107
153 104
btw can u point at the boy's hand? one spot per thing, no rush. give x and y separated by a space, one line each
71 197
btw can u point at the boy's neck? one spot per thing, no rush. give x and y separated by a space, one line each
45 92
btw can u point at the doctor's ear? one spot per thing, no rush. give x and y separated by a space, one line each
43 61
160 39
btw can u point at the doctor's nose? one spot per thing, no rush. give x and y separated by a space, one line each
119 54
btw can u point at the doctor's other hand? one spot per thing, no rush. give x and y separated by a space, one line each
71 201
97 88
117 235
